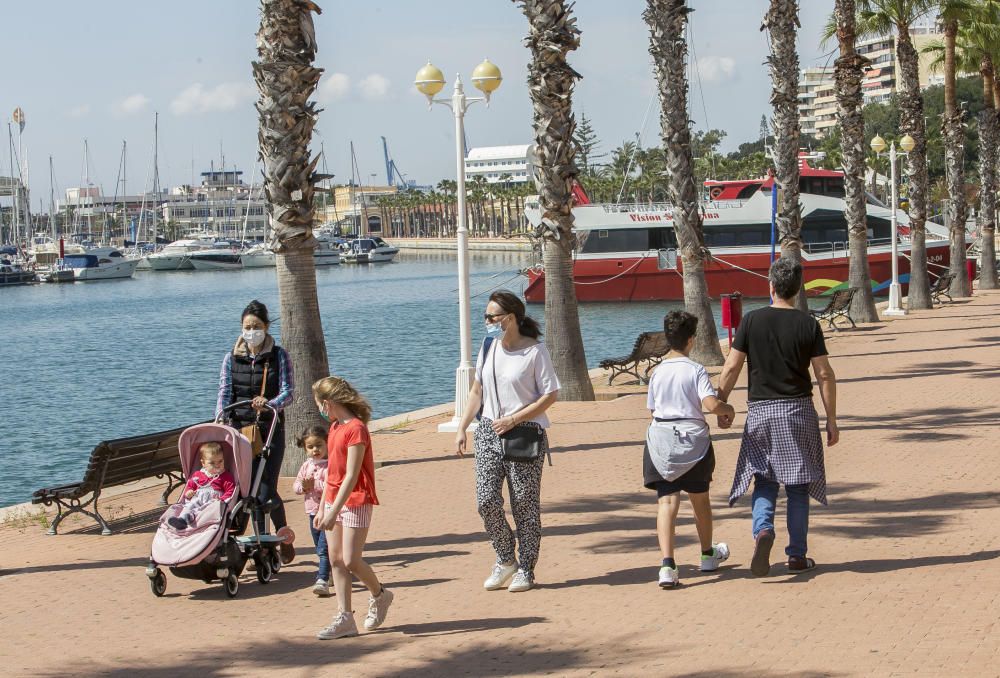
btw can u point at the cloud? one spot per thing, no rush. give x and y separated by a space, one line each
130 105
717 68
374 87
79 111
333 88
225 96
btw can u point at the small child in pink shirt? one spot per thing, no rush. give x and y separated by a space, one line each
310 482
210 483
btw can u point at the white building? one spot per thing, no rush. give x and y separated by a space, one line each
219 205
497 164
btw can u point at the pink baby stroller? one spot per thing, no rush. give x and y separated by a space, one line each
213 548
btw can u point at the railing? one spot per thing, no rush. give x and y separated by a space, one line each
842 247
624 208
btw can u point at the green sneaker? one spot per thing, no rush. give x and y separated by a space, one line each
720 552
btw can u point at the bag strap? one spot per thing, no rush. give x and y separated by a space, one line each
496 389
263 386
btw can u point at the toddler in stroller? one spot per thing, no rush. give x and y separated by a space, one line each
211 546
210 483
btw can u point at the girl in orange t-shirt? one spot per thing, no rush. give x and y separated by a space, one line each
346 509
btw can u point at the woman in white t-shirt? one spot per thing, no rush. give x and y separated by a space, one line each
515 384
678 456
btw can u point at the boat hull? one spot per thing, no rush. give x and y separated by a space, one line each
116 271
635 277
201 264
326 258
170 262
258 260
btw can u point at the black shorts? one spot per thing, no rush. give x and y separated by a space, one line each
695 481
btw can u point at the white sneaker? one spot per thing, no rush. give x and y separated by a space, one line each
500 576
720 552
322 588
378 606
522 582
669 577
343 625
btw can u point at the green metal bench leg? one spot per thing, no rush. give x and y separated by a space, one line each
174 481
75 506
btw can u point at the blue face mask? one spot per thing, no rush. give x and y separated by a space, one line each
326 417
494 330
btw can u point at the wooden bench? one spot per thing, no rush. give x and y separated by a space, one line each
940 287
839 307
650 347
113 463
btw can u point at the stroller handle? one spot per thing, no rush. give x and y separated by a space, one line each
246 403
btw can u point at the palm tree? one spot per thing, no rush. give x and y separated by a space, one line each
953 131
286 78
552 33
880 17
781 22
667 21
852 134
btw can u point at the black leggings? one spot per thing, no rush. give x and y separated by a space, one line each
268 490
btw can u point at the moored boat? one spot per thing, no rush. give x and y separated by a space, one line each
629 252
258 256
368 250
100 263
216 260
175 256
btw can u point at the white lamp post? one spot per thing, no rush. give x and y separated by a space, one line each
429 80
878 145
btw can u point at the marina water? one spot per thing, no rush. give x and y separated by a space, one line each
87 362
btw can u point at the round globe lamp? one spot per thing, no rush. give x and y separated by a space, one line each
907 143
486 77
429 80
878 144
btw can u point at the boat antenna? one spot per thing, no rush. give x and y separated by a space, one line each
638 141
156 171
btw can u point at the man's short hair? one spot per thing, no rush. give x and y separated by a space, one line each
786 277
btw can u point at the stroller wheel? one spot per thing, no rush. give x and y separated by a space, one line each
275 561
158 584
264 570
231 584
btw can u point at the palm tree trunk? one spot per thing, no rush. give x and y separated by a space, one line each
953 129
286 78
667 21
911 121
782 22
852 135
552 33
986 214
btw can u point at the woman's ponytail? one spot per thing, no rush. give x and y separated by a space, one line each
511 303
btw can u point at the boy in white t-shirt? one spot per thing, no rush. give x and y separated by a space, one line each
678 456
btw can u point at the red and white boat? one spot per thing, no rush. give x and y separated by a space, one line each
628 252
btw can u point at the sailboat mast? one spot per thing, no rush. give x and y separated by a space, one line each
135 238
86 188
156 171
52 199
15 222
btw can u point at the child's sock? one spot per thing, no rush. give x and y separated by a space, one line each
669 562
709 552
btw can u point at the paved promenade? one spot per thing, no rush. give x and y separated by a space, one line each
908 550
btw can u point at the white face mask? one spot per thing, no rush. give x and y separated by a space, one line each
254 337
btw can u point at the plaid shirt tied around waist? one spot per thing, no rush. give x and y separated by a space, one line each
782 442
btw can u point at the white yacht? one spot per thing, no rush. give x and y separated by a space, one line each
368 251
100 263
326 254
175 256
258 256
219 258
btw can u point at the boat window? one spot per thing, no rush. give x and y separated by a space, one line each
618 240
747 192
115 254
733 236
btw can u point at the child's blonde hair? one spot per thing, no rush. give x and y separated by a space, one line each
208 450
339 391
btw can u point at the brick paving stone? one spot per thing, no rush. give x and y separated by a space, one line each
908 580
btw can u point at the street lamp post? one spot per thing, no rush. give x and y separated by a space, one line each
878 145
430 81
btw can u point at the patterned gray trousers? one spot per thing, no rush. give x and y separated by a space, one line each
524 483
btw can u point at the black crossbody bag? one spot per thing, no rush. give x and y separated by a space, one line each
523 443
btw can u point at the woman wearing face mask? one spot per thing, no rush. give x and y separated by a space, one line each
259 370
515 384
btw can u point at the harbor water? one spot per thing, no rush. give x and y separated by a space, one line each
87 362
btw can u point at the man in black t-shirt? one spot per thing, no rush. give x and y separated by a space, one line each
781 442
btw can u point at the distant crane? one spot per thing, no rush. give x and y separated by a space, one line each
391 171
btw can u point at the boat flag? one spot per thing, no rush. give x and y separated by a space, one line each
18 117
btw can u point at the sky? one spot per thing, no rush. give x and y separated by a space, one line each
97 71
